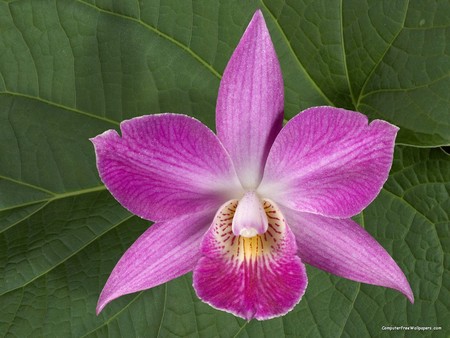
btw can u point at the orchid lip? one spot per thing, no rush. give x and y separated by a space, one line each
259 277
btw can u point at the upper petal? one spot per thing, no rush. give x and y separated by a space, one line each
249 112
342 247
252 277
329 161
165 251
165 166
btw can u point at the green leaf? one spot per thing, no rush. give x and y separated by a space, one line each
69 70
388 59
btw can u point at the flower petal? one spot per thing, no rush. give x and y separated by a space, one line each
249 112
165 251
165 166
329 161
343 248
259 277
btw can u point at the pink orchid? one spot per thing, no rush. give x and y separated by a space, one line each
244 210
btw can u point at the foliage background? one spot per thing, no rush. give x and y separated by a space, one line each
70 70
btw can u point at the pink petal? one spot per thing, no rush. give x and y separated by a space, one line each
165 166
252 277
343 248
165 251
329 161
249 110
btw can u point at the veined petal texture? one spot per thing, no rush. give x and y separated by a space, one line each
250 102
165 166
342 247
329 161
165 251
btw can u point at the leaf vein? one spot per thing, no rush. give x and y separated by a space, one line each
163 311
344 54
65 259
375 66
160 33
58 105
27 45
115 315
299 63
425 85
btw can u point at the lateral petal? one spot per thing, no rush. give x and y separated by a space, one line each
329 161
249 111
251 277
165 166
342 247
165 251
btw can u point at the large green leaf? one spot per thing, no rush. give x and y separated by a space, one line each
72 69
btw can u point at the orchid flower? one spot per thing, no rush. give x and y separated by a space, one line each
246 209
